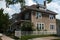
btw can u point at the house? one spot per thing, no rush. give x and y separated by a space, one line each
42 18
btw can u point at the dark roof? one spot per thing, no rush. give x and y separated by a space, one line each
41 9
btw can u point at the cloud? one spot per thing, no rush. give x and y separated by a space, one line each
55 6
15 7
29 2
12 8
2 4
9 10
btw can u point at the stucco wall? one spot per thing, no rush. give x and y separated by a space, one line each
45 19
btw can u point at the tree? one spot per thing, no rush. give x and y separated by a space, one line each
22 2
8 2
58 21
49 1
27 26
4 21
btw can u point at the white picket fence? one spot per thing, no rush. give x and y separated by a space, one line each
19 33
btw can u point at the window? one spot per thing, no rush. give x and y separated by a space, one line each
38 15
51 16
40 26
51 26
37 26
26 15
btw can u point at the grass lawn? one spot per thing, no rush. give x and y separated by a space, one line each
56 39
33 36
26 37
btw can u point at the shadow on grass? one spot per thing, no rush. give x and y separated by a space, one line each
55 39
54 35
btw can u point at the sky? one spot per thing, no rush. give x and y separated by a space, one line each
53 6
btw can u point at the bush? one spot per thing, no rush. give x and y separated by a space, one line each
27 26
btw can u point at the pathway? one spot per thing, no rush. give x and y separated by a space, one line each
6 38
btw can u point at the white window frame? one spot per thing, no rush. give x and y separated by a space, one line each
38 14
50 26
51 17
41 26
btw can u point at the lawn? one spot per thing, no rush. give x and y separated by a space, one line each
33 36
56 39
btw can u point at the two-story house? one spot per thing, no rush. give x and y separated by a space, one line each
42 18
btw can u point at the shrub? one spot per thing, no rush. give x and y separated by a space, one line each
27 26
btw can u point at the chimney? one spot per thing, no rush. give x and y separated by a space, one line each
45 3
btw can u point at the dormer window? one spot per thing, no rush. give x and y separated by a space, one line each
38 15
51 16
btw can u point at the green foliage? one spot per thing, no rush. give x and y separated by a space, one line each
4 21
56 39
27 26
14 1
49 1
58 22
8 2
34 36
22 2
